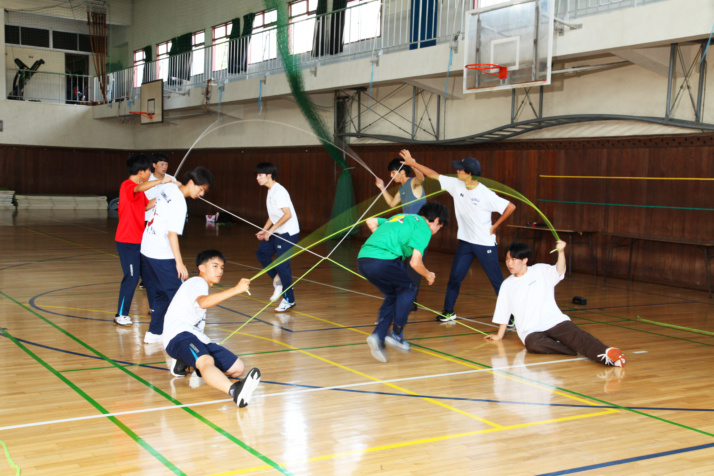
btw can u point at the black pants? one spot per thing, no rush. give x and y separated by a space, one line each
565 338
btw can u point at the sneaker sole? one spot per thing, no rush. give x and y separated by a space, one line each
397 345
377 353
284 310
249 385
126 324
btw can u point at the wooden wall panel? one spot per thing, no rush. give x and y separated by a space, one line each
606 205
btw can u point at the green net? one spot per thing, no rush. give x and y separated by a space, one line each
344 194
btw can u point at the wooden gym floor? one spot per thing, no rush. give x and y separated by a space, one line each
83 396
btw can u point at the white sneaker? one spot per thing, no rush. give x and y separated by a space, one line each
284 306
377 348
150 338
122 320
278 291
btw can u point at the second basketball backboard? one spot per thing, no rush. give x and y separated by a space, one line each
515 35
152 102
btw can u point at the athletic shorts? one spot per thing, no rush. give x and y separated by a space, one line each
188 347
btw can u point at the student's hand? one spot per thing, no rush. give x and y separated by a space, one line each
243 285
182 271
430 278
266 235
379 183
167 179
492 337
493 229
260 235
408 159
560 245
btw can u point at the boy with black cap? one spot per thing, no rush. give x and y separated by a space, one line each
473 204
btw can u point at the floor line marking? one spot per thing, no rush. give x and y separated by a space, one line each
68 241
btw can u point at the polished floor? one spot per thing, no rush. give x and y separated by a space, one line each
82 396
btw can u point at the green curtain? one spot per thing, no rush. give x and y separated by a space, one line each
234 48
147 67
180 59
319 37
337 27
344 212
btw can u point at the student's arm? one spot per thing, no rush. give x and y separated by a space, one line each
560 265
417 264
499 336
173 241
150 204
391 201
372 224
418 178
506 213
286 216
215 299
262 234
144 186
409 160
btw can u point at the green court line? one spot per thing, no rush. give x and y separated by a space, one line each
190 411
572 392
9 459
112 366
95 404
626 205
628 320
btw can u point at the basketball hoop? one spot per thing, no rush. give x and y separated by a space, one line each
143 114
485 67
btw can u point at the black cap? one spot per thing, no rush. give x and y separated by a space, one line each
469 164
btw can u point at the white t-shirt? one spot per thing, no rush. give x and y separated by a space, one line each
531 300
152 193
169 215
184 314
473 210
279 198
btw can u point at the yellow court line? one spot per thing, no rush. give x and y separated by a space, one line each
91 310
369 377
420 441
70 242
460 362
624 178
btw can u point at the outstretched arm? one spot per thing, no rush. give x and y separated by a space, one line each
560 265
499 336
144 186
411 162
211 300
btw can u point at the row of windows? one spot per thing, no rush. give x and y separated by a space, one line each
41 38
360 24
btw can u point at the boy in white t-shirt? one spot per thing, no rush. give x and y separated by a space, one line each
185 341
529 295
161 264
473 205
278 236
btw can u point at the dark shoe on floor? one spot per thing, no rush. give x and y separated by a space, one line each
242 390
446 316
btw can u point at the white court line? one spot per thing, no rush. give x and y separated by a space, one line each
278 394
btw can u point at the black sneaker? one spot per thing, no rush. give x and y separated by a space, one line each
242 390
415 308
141 285
512 321
179 368
446 316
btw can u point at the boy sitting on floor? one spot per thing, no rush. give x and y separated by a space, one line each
185 341
529 294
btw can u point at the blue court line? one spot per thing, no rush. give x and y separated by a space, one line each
389 394
46 260
605 308
629 460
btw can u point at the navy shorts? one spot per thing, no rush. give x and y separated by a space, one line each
187 347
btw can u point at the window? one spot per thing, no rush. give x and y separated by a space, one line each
487 3
162 60
198 41
139 60
302 29
264 40
12 35
363 20
220 45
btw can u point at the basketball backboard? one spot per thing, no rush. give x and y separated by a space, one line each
152 102
517 35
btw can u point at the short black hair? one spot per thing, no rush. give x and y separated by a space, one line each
518 250
137 162
396 163
268 169
207 255
159 157
200 176
433 210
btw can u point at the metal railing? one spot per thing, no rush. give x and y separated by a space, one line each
51 87
368 28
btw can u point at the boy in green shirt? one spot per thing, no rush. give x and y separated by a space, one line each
380 260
